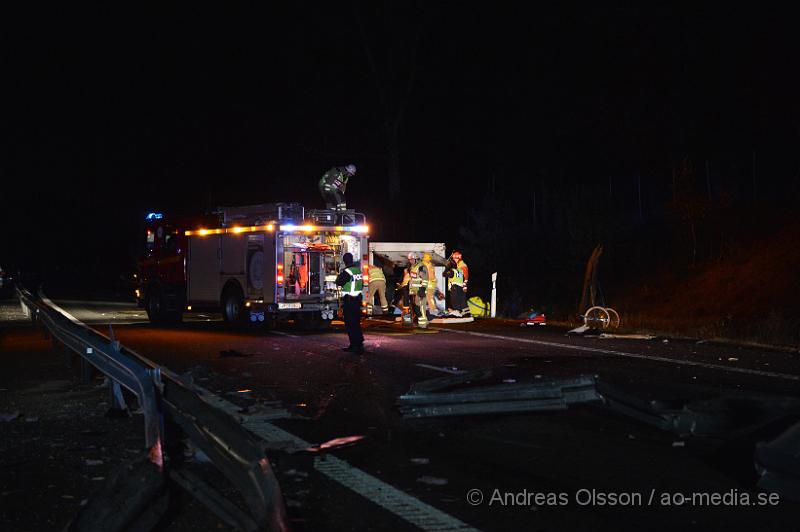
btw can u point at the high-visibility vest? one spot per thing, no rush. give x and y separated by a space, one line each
355 285
431 275
376 274
417 281
458 274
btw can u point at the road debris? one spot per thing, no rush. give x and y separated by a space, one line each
707 417
432 481
424 401
445 382
778 464
335 443
627 336
9 416
420 461
90 462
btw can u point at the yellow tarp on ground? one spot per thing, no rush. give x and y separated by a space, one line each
478 307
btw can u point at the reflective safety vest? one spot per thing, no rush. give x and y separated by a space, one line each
376 274
417 281
355 285
458 274
431 275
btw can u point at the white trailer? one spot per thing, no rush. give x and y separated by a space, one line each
396 253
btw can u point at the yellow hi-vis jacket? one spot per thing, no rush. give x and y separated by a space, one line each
376 273
459 274
431 275
417 280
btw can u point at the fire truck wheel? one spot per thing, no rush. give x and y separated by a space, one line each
233 305
154 305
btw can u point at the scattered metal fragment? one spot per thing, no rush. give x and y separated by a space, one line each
445 382
555 395
707 417
9 416
778 464
335 443
433 481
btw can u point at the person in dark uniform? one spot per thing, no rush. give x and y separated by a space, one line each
333 184
352 282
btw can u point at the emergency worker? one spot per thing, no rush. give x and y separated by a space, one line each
352 283
333 184
430 286
401 292
377 284
457 273
417 288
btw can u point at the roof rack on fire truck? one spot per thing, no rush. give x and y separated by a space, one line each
262 213
288 213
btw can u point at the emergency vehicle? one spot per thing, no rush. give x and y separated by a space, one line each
259 263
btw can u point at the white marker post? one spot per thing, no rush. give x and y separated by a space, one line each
493 309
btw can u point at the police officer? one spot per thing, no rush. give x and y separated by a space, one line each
332 185
352 283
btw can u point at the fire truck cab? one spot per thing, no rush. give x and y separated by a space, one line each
259 263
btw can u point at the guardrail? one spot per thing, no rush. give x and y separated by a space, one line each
170 402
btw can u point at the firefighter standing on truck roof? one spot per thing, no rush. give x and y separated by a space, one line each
458 274
417 286
332 185
351 281
377 285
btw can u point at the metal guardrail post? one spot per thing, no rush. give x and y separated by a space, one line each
233 450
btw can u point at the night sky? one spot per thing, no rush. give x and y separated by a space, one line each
110 112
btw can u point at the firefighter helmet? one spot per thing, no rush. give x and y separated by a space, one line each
426 257
456 256
350 169
413 256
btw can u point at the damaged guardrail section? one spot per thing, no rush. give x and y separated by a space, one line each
137 495
423 400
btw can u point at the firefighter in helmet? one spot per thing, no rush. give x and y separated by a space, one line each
417 288
333 184
458 275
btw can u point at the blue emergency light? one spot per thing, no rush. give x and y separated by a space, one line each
154 216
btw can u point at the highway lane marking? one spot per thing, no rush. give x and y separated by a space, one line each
401 504
731 369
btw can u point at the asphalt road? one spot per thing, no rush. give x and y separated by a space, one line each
525 471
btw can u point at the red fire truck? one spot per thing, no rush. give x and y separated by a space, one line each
259 263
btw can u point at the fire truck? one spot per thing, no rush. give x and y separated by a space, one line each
258 263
